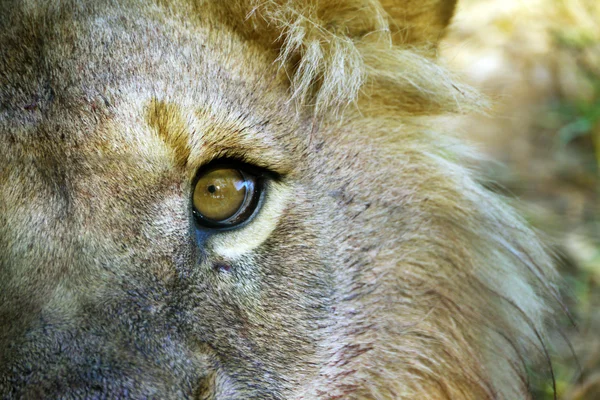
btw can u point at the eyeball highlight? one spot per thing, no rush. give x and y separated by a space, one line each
225 196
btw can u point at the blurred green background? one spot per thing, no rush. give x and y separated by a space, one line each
539 62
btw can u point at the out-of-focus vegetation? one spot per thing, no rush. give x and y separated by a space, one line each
539 62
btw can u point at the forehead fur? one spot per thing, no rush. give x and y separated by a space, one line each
378 55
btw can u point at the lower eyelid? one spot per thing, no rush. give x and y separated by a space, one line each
237 242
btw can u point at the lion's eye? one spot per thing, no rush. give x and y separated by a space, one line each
225 196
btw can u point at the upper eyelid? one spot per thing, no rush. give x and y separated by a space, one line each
198 137
255 169
274 168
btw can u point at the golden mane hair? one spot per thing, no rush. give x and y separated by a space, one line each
380 59
339 52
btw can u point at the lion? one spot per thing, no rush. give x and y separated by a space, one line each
246 199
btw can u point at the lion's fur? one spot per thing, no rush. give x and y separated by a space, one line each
379 266
338 48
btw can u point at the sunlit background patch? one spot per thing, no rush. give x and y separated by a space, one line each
539 60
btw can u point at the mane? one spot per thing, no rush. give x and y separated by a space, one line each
342 52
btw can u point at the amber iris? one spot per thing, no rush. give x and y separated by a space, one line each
224 196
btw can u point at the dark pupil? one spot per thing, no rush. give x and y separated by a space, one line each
212 189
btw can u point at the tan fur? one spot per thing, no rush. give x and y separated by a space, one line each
378 266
